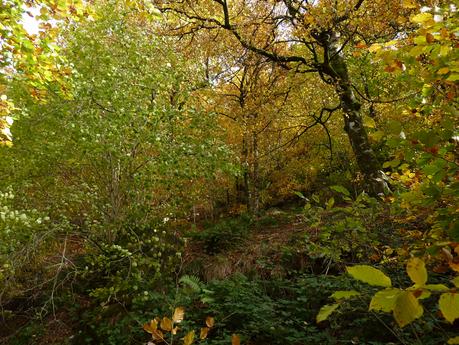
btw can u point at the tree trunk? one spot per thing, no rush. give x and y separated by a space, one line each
245 197
335 67
255 195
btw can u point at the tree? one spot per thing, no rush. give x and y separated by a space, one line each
33 57
128 138
109 165
307 37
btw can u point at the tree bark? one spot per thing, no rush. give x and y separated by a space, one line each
245 197
336 68
255 195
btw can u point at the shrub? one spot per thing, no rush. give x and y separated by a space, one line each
223 235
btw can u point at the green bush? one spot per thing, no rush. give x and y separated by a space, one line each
344 232
276 312
223 235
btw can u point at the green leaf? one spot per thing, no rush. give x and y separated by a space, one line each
416 51
369 122
449 306
407 308
377 136
394 127
420 40
341 189
436 287
337 295
391 164
369 275
330 203
416 270
384 300
453 231
456 281
453 77
299 194
326 311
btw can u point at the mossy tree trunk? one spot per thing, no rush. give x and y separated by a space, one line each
335 67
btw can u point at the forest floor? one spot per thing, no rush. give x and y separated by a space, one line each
264 278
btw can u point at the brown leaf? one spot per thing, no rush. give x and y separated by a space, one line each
210 321
151 326
189 338
157 335
446 252
440 269
444 33
166 324
454 265
179 314
430 38
417 293
235 340
204 332
389 69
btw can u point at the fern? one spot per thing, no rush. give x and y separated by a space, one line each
192 282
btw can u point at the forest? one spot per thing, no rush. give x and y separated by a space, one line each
229 172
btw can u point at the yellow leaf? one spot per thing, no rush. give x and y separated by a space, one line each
204 332
326 311
422 18
444 50
166 324
456 282
453 341
210 321
411 4
369 122
416 270
384 300
449 306
407 308
189 338
235 340
454 265
390 43
151 326
443 70
374 48
369 275
44 11
179 314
